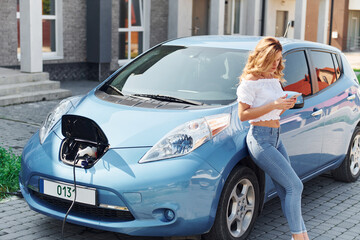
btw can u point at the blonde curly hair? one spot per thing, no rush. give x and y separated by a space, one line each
262 57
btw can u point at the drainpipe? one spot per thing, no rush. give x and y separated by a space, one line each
262 29
331 20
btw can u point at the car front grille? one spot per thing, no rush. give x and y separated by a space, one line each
88 210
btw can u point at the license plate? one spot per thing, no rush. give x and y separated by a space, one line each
67 191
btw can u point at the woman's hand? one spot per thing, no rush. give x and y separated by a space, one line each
283 103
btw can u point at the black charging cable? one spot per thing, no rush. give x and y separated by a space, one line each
73 202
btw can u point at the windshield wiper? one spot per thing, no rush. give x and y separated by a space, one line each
115 89
168 98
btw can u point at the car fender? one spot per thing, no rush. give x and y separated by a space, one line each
239 156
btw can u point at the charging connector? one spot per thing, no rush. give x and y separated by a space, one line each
90 151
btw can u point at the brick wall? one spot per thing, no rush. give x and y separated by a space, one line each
8 30
74 65
159 21
74 32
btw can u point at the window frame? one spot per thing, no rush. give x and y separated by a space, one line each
145 25
313 71
58 17
58 54
336 57
309 65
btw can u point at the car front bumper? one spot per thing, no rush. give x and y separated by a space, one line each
188 186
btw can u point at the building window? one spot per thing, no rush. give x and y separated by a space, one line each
353 37
232 15
131 29
18 26
48 25
51 29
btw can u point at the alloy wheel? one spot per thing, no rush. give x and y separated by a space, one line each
240 208
355 156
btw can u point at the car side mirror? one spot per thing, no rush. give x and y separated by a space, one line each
299 100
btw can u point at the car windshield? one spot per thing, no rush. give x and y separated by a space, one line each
201 74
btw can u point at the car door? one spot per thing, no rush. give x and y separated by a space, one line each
340 110
302 129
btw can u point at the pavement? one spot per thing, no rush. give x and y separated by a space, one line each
353 58
330 208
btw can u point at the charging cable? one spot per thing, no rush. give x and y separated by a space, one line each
91 152
73 202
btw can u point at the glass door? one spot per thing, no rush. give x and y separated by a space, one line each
200 16
281 23
354 33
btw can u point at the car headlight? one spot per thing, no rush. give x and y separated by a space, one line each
55 115
187 137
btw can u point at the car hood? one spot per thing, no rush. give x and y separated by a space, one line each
128 126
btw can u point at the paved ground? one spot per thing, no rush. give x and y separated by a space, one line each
354 59
19 122
330 208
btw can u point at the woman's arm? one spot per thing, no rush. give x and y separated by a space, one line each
246 113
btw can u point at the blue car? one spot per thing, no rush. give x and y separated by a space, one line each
158 148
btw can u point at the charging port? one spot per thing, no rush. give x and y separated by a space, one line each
84 142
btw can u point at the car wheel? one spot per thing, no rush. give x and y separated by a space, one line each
349 170
238 206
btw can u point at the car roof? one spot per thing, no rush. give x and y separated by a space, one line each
242 42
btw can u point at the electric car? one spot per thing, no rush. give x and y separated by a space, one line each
158 149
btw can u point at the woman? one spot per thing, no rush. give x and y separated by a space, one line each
261 102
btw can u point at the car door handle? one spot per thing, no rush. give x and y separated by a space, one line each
351 97
317 112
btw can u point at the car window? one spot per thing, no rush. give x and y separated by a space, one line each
208 75
324 67
296 73
337 66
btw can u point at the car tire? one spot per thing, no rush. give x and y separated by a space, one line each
349 170
238 206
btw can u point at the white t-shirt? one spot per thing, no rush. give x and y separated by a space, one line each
260 92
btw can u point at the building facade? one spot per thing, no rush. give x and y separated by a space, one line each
88 39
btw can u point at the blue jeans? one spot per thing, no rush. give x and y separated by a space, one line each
268 152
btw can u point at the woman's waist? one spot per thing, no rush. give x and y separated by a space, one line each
273 115
267 123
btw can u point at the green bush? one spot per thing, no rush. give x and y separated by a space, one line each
357 72
10 165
